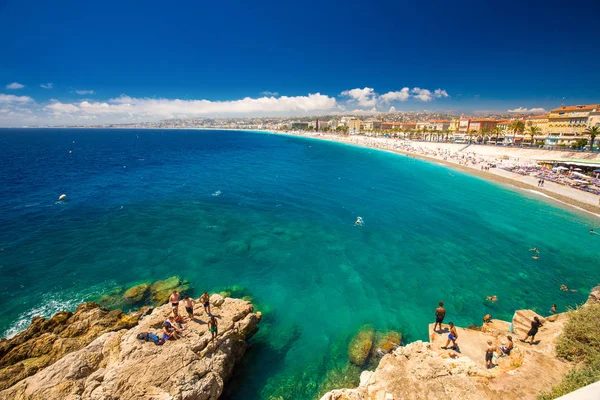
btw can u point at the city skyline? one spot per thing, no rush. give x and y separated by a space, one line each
134 62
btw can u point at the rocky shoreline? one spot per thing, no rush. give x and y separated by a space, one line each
423 370
95 353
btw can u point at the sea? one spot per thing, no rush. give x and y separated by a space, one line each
272 218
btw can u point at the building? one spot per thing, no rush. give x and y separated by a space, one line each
388 126
299 126
371 125
540 122
408 126
479 125
353 125
567 124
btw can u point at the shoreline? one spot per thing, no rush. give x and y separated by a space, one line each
491 176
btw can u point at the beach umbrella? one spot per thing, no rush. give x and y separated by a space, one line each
597 170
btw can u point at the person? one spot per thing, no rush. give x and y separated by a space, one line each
535 325
440 313
553 309
489 354
593 232
174 300
564 288
507 348
213 327
493 299
487 318
189 306
205 300
171 329
452 336
359 221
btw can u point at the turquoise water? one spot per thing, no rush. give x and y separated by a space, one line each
275 215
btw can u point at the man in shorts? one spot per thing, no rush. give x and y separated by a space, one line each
440 313
188 303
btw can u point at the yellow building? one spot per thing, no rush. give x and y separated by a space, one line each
567 124
354 125
539 121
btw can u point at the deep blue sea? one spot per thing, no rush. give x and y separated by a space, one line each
275 215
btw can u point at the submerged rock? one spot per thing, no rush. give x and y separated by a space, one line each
360 346
116 365
47 340
387 341
161 290
136 293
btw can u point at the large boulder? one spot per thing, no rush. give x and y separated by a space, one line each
136 293
360 345
47 340
119 366
594 297
161 290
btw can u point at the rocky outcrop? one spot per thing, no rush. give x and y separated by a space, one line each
119 366
47 340
424 370
145 293
360 346
594 297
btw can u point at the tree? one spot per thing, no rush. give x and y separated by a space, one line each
579 144
497 131
532 131
592 131
483 133
470 134
516 126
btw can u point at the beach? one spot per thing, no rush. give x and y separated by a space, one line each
470 159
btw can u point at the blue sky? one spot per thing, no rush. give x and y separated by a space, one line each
133 60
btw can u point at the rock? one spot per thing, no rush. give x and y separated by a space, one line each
360 346
161 290
46 341
136 293
594 297
343 376
387 341
116 365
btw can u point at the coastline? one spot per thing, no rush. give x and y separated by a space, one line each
493 175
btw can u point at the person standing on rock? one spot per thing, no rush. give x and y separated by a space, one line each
213 327
489 355
535 325
440 313
174 300
452 336
188 303
205 300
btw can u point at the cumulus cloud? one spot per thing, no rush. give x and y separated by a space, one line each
392 109
11 98
15 85
365 97
401 95
80 91
523 110
267 93
58 108
440 93
48 85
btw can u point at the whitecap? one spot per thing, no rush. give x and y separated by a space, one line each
217 193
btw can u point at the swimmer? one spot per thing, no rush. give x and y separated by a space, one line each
594 232
359 221
553 309
564 288
535 249
536 257
493 299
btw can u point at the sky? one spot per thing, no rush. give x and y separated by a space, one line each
126 61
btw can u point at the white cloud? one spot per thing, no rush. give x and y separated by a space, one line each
523 110
11 98
270 94
401 95
84 91
15 85
365 97
392 109
439 93
422 94
57 107
48 85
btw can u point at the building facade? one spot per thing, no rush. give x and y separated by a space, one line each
567 124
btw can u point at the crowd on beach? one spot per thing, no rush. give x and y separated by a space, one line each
562 176
174 326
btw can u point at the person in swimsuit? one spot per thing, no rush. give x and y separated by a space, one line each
535 325
593 232
489 354
487 318
174 300
359 221
188 303
213 327
170 328
493 299
553 309
506 349
440 313
452 336
205 300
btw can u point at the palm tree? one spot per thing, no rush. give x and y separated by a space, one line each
516 126
592 131
497 131
532 131
483 132
470 134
